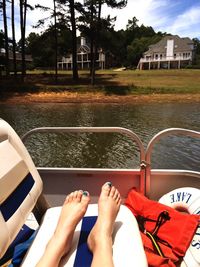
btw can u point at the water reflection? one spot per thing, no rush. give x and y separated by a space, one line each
107 150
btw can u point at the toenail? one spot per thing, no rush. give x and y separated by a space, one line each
81 191
109 184
85 193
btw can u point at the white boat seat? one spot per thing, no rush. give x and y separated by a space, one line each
127 243
20 185
20 188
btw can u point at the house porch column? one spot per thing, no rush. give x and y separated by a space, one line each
82 61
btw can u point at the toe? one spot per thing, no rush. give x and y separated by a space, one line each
116 194
79 195
66 199
119 201
75 196
105 190
85 197
70 197
112 192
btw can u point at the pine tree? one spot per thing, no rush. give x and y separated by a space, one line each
4 6
13 36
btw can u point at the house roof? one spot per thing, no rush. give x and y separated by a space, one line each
180 45
18 56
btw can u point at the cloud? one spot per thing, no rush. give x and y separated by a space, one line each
176 17
37 14
187 23
148 12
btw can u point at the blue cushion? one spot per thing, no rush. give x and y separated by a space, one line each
20 251
83 255
13 202
23 235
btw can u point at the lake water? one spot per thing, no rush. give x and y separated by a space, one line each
107 150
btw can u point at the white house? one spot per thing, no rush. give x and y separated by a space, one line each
170 52
83 58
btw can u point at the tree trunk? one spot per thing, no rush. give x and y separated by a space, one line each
74 41
97 30
23 8
92 37
13 38
6 37
56 42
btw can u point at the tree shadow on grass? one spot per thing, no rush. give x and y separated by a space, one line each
11 86
66 79
117 90
45 82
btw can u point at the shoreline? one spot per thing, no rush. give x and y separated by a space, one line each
52 97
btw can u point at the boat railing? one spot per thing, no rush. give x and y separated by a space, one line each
154 141
80 130
145 156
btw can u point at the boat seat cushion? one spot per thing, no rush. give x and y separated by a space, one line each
23 235
20 185
127 246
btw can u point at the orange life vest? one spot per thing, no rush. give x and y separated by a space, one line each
166 233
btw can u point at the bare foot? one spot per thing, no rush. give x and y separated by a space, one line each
108 207
72 212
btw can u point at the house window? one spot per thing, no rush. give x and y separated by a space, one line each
79 58
156 56
174 55
160 56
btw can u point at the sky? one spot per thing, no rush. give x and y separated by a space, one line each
181 17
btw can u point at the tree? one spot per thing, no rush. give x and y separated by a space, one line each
196 60
34 47
42 49
74 41
23 12
72 21
92 25
6 37
56 40
1 39
13 36
114 42
54 15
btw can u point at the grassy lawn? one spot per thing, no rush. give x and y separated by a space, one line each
163 81
114 82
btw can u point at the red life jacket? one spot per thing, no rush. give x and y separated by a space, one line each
166 233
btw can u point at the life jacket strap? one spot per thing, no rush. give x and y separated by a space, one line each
163 217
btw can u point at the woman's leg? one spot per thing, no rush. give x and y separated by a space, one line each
59 245
100 238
